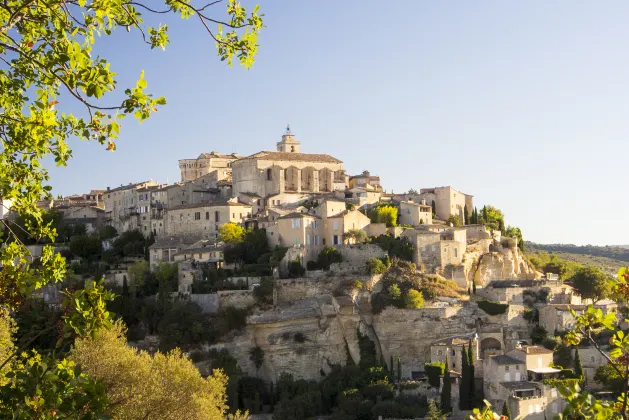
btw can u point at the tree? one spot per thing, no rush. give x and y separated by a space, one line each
578 367
446 390
591 283
399 370
506 411
434 208
413 299
384 213
256 355
466 215
394 291
464 381
434 413
143 386
231 233
474 286
515 232
580 403
454 220
355 236
49 69
472 370
376 266
295 269
87 247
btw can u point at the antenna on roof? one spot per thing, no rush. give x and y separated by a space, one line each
288 129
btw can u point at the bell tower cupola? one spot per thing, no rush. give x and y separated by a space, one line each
289 143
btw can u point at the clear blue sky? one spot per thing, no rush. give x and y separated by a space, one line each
523 104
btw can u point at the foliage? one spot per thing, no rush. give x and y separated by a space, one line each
492 308
399 247
88 247
394 291
141 386
506 411
264 291
376 266
183 326
538 334
578 367
413 299
37 325
611 252
231 233
609 378
327 257
493 218
356 236
464 381
295 269
253 249
515 232
551 263
433 372
384 213
591 283
466 215
256 355
446 390
107 232
434 413
367 350
454 220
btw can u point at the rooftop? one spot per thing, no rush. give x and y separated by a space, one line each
293 157
505 284
213 203
457 340
535 350
503 359
127 187
296 214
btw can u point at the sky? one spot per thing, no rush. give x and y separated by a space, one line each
522 104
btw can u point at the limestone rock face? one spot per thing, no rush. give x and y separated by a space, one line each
501 264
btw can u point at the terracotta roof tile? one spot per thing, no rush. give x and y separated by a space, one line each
294 157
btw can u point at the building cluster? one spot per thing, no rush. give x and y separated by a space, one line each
302 199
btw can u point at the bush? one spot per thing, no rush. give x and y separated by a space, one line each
381 389
492 308
507 242
413 299
454 220
376 266
136 333
396 247
384 213
295 269
327 257
433 372
538 334
312 265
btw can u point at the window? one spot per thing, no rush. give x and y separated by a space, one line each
197 215
233 215
316 240
217 216
296 223
439 352
454 352
207 215
455 252
336 225
269 174
507 368
517 367
307 239
181 217
408 211
592 359
335 239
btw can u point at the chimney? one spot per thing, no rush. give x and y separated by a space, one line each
423 201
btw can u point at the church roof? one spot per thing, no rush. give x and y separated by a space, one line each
294 157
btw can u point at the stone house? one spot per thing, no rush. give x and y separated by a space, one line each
92 217
121 205
365 180
164 249
296 229
591 360
337 220
452 348
204 219
217 165
203 251
362 197
448 201
558 317
434 249
415 214
287 170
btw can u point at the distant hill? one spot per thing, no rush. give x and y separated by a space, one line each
608 258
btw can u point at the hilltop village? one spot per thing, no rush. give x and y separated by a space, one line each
327 270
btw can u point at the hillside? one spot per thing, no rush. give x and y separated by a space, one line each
608 258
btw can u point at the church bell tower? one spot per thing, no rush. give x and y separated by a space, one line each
289 143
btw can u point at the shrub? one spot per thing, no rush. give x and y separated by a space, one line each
312 265
538 334
507 242
433 372
384 213
295 269
136 333
454 220
327 257
492 308
413 299
376 266
380 389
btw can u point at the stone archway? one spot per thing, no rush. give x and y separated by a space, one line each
489 346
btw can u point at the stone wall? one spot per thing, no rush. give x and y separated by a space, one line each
239 299
209 302
355 257
376 229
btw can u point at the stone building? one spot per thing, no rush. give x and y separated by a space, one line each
215 164
435 246
204 219
92 217
452 348
203 251
365 180
415 214
447 200
164 249
121 205
287 171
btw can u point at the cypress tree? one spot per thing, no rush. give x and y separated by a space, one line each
578 367
466 215
446 390
434 207
399 370
464 382
392 370
484 215
474 286
506 411
472 373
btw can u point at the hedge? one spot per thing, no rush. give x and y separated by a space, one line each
433 372
492 308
